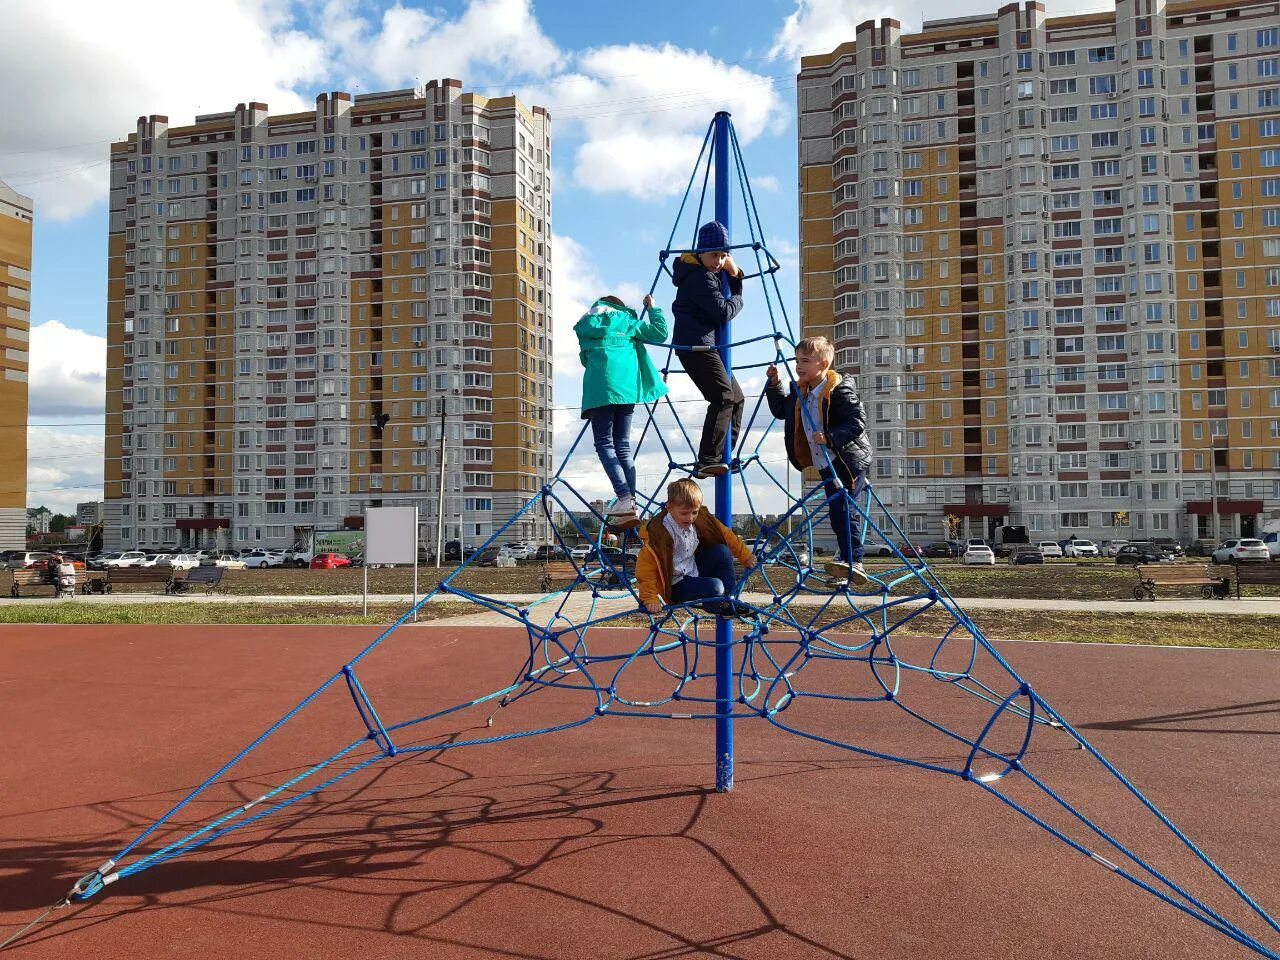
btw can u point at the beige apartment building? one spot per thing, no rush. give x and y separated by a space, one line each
1050 249
16 213
301 305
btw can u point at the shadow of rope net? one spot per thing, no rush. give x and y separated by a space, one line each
812 658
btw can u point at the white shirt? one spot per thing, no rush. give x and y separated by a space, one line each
684 544
812 420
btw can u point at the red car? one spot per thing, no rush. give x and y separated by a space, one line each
329 561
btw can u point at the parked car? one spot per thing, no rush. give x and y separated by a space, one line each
129 558
1142 552
297 558
329 561
1272 541
224 560
909 550
261 559
877 550
1080 548
1049 548
979 554
488 557
781 556
939 548
156 560
1242 551
548 552
184 561
520 549
24 559
1170 546
1110 548
1025 554
581 552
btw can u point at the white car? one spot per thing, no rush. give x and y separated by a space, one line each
261 559
184 561
1080 548
298 558
519 549
1242 551
979 554
130 558
224 560
1111 547
877 550
1049 548
581 553
156 560
1272 540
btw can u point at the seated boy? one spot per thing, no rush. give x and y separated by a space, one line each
688 554
826 413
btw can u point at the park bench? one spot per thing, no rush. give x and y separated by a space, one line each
27 578
139 576
208 577
1151 575
1258 574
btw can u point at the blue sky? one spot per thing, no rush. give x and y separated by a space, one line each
631 88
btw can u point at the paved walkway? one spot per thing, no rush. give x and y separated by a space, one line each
578 604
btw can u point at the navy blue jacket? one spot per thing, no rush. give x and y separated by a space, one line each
700 307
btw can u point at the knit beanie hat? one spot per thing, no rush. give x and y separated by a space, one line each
713 237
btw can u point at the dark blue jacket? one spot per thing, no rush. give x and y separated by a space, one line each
843 421
700 307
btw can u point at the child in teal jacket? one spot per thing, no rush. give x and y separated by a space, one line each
619 374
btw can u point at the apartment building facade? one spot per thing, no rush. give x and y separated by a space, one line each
308 312
1050 249
16 217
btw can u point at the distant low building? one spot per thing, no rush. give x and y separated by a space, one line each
38 520
89 514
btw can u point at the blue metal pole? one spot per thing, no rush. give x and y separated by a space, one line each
724 484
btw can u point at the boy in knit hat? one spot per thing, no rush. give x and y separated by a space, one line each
709 295
825 421
688 555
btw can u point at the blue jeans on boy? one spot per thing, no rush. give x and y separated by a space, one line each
611 428
715 578
845 522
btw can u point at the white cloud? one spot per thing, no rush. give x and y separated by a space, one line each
87 70
411 44
819 26
64 467
642 112
67 372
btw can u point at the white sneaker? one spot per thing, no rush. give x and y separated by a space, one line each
848 572
623 507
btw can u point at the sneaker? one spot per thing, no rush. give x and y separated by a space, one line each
708 470
622 507
848 572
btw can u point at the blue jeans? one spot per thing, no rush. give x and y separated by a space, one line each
715 578
611 428
846 523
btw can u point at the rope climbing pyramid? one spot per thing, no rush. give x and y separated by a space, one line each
796 649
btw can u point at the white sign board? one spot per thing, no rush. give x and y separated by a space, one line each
391 535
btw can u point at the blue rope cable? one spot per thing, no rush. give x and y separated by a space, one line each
804 626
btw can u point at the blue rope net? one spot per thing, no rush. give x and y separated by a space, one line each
900 643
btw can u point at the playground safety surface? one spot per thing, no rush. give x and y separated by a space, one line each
603 841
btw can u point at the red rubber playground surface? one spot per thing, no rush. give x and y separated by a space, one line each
602 841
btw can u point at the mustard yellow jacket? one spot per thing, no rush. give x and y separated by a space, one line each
656 563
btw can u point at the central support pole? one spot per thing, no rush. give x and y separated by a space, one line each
724 483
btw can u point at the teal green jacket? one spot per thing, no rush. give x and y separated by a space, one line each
617 362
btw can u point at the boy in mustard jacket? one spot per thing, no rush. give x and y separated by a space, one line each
688 555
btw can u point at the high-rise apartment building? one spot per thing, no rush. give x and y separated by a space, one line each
300 304
1050 249
15 327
